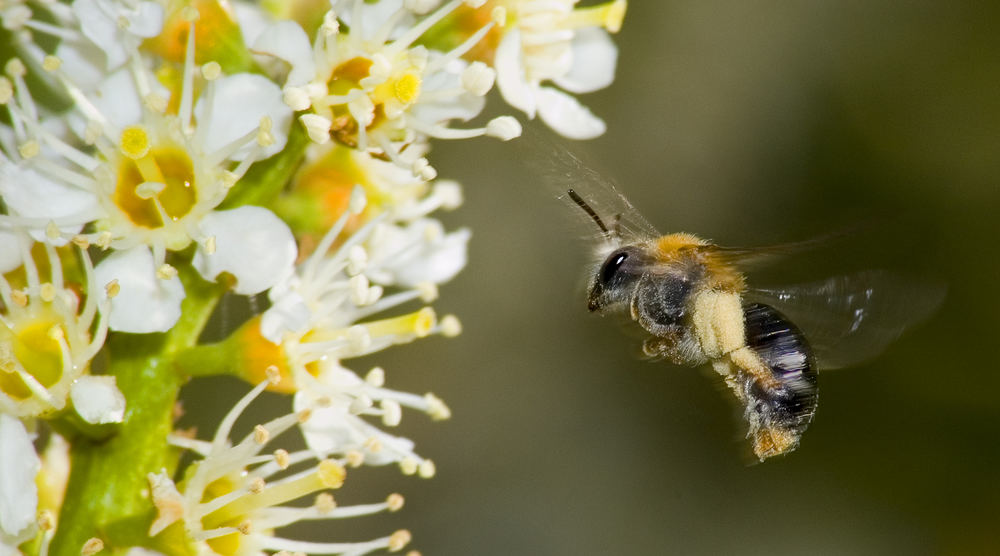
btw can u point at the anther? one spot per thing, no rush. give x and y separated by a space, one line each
399 540
211 71
51 63
394 502
112 288
257 485
166 272
282 458
260 435
324 503
92 546
376 377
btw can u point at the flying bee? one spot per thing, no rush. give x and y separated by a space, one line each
692 299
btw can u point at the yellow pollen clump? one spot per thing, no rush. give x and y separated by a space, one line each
407 88
92 546
134 142
331 474
399 539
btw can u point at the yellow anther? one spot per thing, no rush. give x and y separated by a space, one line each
260 435
51 63
29 149
19 298
324 503
355 458
135 142
245 527
331 474
399 540
52 231
47 292
15 68
166 272
211 71
257 485
282 458
92 546
395 502
407 88
112 288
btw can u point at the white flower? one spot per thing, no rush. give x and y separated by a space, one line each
549 40
45 337
152 180
18 495
373 89
232 499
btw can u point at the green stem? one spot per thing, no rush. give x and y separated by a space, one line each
105 495
265 179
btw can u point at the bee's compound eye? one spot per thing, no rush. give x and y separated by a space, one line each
612 265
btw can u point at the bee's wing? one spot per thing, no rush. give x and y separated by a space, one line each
852 318
562 171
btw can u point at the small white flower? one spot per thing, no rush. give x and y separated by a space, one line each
235 495
45 337
552 41
152 180
375 88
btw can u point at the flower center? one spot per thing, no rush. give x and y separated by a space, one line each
155 184
31 346
407 88
348 75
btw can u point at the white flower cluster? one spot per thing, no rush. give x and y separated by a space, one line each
151 149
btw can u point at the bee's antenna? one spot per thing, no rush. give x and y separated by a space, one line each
586 208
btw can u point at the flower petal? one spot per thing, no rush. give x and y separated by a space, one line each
594 59
239 103
30 194
286 40
18 466
97 399
145 303
252 244
511 78
566 116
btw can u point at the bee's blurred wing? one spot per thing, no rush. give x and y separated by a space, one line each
852 318
561 170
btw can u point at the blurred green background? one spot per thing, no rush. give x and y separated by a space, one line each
750 123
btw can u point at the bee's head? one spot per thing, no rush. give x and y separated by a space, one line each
617 277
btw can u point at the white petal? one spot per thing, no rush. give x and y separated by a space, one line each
288 313
33 195
406 256
566 116
97 399
18 466
145 21
240 102
101 29
83 64
118 100
511 78
10 255
287 40
252 244
145 303
594 58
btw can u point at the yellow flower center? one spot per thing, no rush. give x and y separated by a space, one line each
407 88
154 183
30 343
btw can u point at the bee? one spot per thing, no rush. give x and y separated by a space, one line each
691 298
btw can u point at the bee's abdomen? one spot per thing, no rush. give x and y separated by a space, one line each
784 408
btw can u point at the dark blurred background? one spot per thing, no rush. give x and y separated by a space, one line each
750 123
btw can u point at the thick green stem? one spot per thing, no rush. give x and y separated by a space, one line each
107 496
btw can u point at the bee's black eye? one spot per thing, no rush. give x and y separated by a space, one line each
611 267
